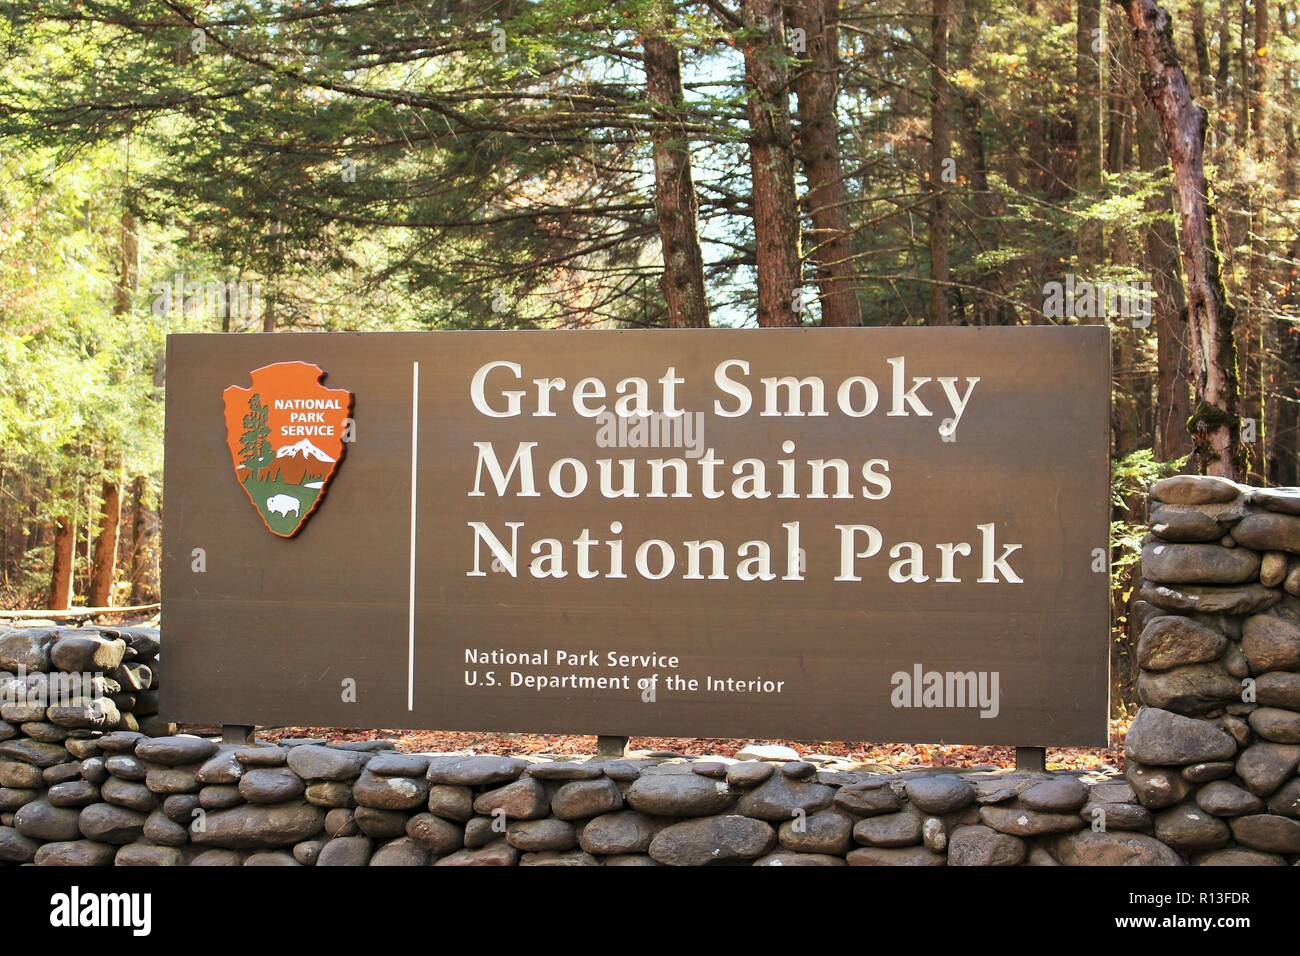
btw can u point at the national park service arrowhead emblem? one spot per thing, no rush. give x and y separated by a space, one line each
286 435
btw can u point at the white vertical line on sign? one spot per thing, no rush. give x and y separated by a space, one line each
410 619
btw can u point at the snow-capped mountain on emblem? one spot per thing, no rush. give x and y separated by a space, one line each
286 439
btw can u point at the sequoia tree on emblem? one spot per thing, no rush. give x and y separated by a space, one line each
286 439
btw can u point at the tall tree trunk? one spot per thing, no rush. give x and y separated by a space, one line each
1204 77
1088 126
104 565
1213 423
940 156
992 308
1284 430
144 532
65 542
1256 294
128 266
676 203
817 87
1173 357
771 163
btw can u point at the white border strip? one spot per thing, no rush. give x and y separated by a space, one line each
410 621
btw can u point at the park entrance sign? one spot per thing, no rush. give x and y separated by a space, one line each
821 534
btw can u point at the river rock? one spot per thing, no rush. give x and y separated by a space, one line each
566 770
827 831
1063 794
1267 832
329 794
129 794
346 851
476 771
1268 531
40 820
20 775
75 853
73 793
1278 689
380 824
579 799
1171 640
1156 787
1192 689
1224 799
270 785
164 832
126 767
176 750
1195 490
624 831
34 752
1275 724
170 780
1198 564
749 773
682 795
1019 821
1162 738
89 654
1183 524
780 797
1117 816
253 827
225 767
26 649
106 823
326 763
399 765
790 858
401 851
712 840
1089 848
1210 599
451 802
148 854
1270 644
903 828
218 857
1237 856
539 836
1188 827
1272 569
1263 767
260 756
895 856
498 853
868 800
983 846
941 793
17 848
390 792
1286 800
523 799
435 834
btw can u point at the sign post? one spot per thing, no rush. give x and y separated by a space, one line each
891 534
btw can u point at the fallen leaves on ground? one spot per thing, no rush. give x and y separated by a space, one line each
894 755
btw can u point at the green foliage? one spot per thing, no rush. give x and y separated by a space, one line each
1130 478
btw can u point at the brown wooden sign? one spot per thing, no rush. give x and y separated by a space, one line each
822 534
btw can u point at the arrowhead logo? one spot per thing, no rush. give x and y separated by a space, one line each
285 435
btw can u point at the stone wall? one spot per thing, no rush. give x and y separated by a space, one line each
1214 750
1211 769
